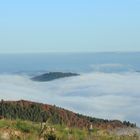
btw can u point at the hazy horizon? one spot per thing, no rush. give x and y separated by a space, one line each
72 52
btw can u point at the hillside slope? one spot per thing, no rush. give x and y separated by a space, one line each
38 112
27 130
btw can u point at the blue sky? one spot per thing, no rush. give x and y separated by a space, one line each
69 26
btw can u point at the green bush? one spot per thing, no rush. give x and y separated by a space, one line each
24 127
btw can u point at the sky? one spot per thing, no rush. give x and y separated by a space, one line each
69 26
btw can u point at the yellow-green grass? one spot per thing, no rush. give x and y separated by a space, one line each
30 131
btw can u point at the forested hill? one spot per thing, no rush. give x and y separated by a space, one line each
52 76
37 112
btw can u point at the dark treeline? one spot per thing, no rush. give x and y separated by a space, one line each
37 112
52 76
27 111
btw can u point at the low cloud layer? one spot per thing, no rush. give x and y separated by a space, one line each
103 95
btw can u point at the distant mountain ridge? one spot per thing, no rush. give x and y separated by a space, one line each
52 76
38 112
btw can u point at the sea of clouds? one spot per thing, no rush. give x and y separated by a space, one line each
98 94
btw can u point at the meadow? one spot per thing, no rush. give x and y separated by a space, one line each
27 130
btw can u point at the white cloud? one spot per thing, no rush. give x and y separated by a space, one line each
103 95
111 67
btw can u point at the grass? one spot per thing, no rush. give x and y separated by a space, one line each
26 130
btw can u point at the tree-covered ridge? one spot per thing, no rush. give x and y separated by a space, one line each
52 76
37 112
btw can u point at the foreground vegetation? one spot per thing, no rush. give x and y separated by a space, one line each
25 120
27 130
